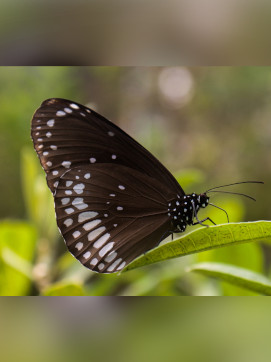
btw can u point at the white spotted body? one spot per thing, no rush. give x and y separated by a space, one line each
183 211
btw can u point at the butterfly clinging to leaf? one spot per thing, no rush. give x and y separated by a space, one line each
113 199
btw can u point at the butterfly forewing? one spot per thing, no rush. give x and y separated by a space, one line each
67 134
110 214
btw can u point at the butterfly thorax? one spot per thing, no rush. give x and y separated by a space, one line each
183 210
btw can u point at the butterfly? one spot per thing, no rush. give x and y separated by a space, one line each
113 199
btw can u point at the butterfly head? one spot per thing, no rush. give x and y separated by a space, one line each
202 200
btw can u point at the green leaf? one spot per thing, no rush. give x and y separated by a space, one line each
238 276
64 288
205 239
17 249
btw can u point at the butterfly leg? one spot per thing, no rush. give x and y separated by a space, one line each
200 221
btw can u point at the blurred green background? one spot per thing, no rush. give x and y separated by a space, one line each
208 125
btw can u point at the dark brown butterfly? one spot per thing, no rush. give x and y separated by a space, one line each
113 199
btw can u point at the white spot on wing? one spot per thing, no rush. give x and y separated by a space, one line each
119 208
55 173
86 215
100 242
68 110
121 187
114 265
101 266
122 265
111 134
76 234
113 157
69 183
91 224
60 113
74 106
94 261
92 160
70 210
78 202
93 234
111 256
79 245
106 248
53 147
65 200
49 163
50 123
87 255
68 222
66 164
79 188
48 134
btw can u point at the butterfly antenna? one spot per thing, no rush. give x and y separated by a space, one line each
236 183
235 193
220 208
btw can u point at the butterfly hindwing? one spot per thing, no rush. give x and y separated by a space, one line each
110 214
